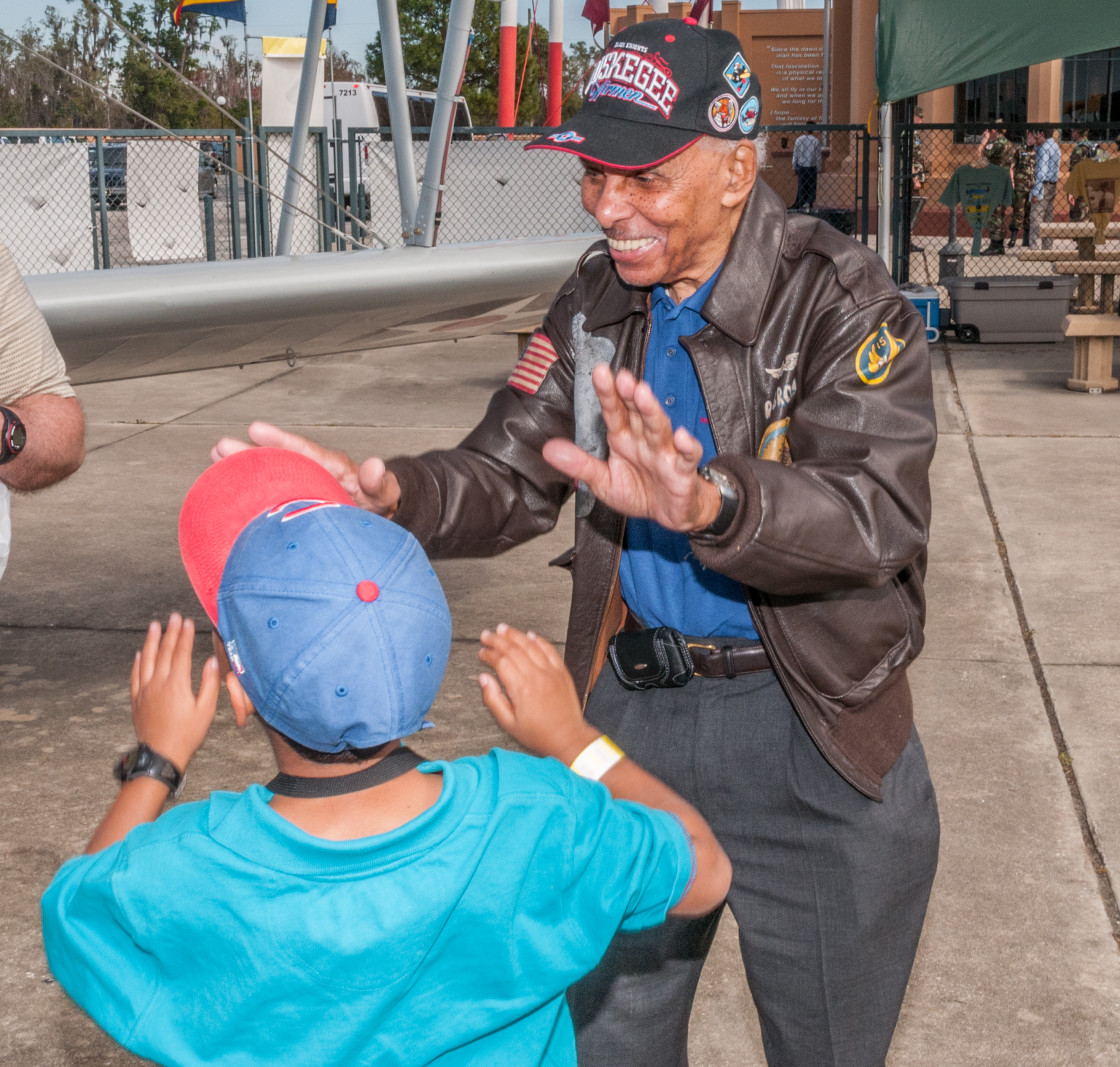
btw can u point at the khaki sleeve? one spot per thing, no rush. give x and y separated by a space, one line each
30 361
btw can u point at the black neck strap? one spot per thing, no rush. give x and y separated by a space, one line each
399 761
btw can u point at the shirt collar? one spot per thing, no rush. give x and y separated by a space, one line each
663 304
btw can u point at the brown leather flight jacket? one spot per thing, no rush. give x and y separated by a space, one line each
816 377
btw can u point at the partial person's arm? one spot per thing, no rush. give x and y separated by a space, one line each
536 704
55 445
491 492
168 716
34 384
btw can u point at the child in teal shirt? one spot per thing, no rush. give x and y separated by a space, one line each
366 906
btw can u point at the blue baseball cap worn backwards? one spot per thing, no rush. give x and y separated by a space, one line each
333 619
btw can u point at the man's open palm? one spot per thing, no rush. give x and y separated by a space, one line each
650 471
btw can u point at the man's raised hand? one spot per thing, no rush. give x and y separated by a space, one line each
369 484
650 472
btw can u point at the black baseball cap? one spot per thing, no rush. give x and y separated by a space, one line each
659 87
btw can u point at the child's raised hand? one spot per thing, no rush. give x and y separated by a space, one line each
167 714
538 707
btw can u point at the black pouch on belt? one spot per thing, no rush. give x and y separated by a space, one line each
651 659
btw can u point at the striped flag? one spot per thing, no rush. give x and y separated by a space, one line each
533 365
233 10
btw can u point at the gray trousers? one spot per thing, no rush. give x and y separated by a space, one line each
829 888
1042 210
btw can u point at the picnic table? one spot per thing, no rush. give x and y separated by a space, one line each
1094 325
1089 262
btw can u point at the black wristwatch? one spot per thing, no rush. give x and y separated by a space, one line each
728 506
13 435
144 762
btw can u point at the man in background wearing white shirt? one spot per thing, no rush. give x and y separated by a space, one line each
806 162
1047 161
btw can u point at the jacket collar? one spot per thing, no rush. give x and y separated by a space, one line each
742 291
743 288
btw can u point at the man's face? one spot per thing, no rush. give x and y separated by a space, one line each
670 225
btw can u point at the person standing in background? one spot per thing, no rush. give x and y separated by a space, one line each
806 162
1000 152
1022 179
1083 149
1047 162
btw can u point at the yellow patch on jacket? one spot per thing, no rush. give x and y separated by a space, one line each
875 355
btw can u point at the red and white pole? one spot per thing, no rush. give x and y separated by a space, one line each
555 61
507 64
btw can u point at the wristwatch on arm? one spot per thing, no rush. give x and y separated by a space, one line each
145 762
13 435
728 506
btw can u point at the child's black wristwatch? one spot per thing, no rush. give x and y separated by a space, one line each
13 435
144 762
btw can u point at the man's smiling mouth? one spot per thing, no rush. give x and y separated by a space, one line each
630 244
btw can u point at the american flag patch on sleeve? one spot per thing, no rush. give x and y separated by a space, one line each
533 365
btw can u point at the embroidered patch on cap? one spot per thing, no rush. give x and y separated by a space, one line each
722 111
738 75
645 80
875 355
566 136
533 365
748 115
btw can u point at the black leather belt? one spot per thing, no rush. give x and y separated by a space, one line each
728 661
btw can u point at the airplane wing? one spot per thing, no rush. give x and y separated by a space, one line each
149 320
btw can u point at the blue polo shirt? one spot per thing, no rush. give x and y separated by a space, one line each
662 581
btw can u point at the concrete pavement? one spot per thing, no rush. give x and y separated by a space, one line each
1017 692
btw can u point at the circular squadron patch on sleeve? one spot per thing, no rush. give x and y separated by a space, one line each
875 355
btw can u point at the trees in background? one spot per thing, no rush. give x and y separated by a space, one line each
33 92
423 27
83 43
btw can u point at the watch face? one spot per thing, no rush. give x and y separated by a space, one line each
13 437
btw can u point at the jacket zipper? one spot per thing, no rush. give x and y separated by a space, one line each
622 532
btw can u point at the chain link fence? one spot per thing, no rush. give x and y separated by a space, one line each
823 171
85 200
947 221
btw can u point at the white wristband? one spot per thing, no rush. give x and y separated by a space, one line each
598 758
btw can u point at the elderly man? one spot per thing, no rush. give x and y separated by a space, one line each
42 431
745 402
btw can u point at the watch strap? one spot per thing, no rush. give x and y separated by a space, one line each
728 505
144 762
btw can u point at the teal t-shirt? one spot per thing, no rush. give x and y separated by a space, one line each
221 933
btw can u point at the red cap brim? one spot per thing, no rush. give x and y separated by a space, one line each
229 495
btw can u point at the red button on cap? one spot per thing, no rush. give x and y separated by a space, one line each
368 591
670 37
691 21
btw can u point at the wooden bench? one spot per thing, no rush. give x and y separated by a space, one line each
1046 255
1081 232
1086 263
1087 271
1093 336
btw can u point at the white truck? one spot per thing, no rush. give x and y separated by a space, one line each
365 106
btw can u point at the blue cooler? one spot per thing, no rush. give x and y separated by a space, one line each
928 303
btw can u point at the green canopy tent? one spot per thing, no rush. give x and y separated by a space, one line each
928 44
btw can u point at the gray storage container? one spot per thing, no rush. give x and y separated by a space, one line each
1011 308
